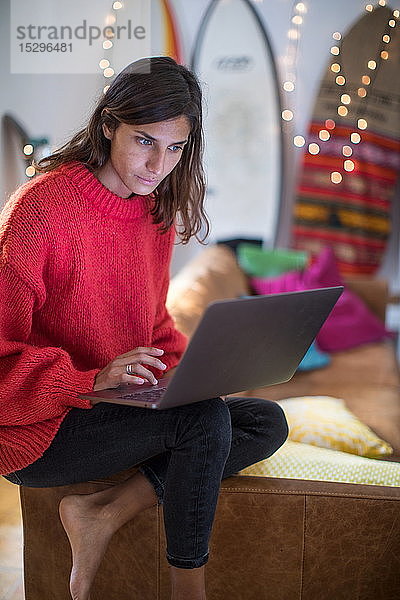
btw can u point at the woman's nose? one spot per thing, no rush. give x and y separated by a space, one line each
155 164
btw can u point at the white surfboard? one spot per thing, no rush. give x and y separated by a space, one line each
242 122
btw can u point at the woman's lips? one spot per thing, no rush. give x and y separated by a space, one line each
147 181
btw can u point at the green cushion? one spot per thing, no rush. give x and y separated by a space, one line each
260 262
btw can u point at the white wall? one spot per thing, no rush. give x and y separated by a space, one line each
57 105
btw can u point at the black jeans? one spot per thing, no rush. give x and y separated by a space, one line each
184 452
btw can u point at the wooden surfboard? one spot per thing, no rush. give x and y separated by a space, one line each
243 159
353 215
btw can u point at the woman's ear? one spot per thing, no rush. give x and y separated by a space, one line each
108 133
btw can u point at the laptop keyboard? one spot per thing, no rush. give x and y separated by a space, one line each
148 395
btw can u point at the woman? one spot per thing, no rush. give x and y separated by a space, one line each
85 253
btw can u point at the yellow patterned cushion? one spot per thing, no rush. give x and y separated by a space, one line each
326 422
302 461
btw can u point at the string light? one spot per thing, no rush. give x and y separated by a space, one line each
348 165
392 23
301 7
117 5
362 92
362 124
335 67
337 36
288 86
336 177
28 149
386 38
335 50
366 80
396 13
30 171
107 44
297 20
340 80
108 72
287 115
384 55
324 135
369 7
293 34
313 148
105 88
382 2
355 138
104 63
330 124
371 65
347 151
299 141
345 98
342 111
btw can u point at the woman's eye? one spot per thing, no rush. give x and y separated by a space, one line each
144 141
175 148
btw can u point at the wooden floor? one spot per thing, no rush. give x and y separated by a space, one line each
11 579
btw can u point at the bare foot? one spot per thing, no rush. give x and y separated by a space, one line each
89 533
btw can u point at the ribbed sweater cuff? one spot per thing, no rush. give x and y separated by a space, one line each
66 389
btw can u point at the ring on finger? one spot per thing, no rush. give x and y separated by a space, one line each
129 369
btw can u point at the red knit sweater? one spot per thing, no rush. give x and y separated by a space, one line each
83 278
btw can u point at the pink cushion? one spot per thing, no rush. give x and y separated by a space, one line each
350 323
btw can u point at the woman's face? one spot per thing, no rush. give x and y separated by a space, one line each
142 155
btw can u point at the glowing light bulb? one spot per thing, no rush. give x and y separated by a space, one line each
117 5
293 34
30 171
384 55
287 115
386 38
28 149
109 32
109 72
366 79
104 63
337 36
330 124
396 13
336 177
299 141
369 8
301 7
382 2
110 19
324 135
335 50
347 151
355 138
342 111
392 23
348 165
107 44
313 148
297 20
371 64
345 98
340 80
362 92
105 88
288 86
362 124
335 67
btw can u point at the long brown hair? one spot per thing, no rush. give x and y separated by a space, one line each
150 90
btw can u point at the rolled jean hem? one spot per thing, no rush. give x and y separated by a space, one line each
156 483
191 563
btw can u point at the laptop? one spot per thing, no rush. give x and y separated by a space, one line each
239 344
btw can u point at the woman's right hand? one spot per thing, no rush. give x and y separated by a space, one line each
115 372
